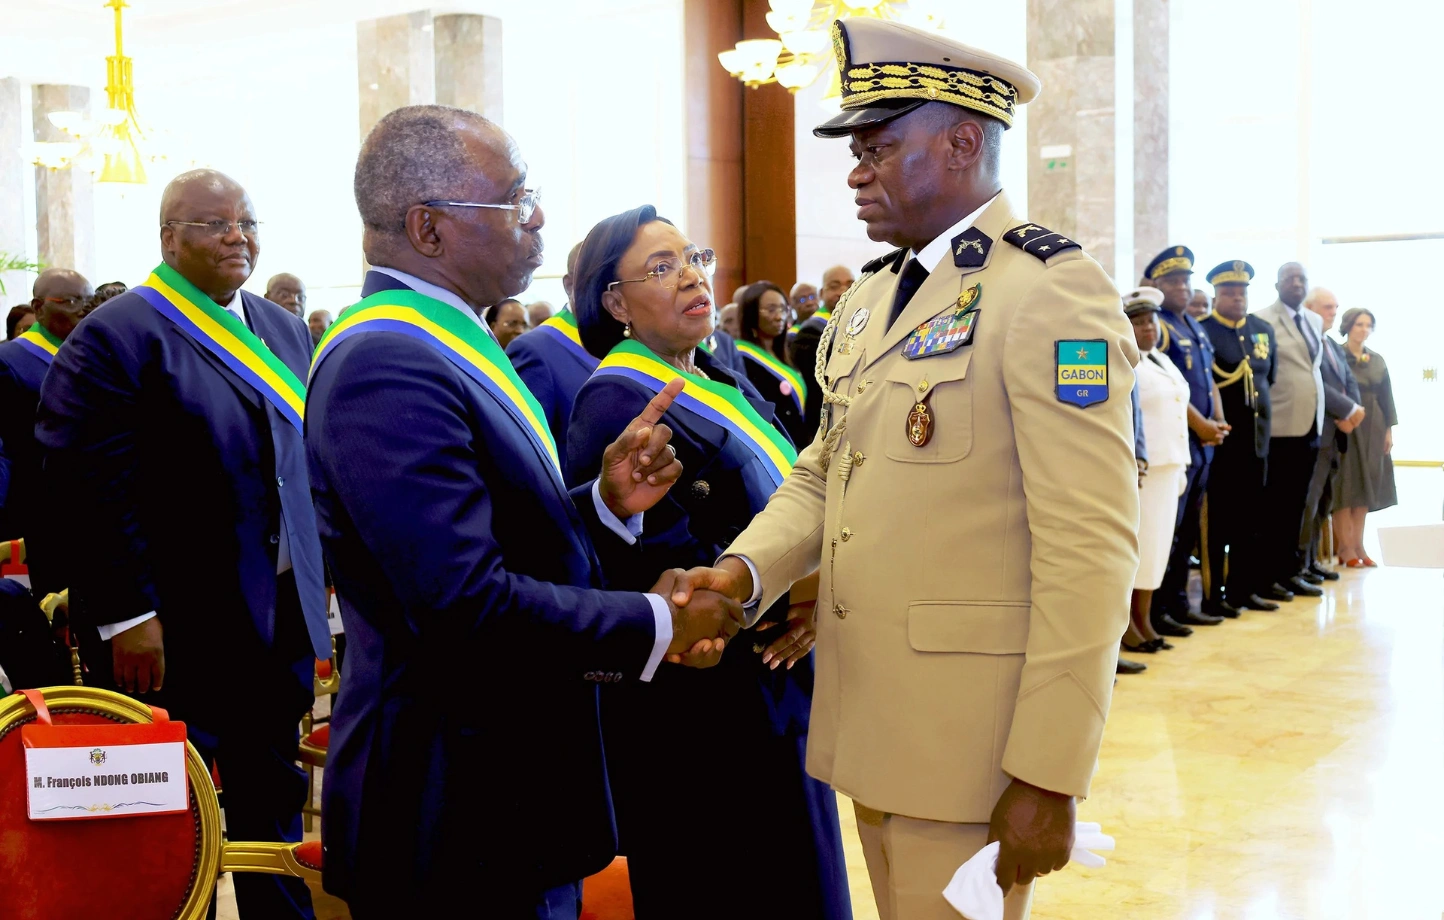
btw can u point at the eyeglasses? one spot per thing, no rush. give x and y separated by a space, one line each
669 274
71 302
220 228
524 208
805 299
774 310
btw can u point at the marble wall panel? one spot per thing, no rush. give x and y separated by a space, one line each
64 198
468 63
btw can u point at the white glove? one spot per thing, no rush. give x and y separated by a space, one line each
974 890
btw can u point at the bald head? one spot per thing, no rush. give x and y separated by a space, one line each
835 282
288 291
1293 284
1323 302
209 233
60 282
62 299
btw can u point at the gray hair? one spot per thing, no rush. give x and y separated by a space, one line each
414 154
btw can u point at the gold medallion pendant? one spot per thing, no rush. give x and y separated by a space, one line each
920 425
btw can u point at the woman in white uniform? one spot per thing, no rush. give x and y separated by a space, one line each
1163 397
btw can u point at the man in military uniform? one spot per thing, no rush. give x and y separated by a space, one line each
1244 365
973 504
1185 344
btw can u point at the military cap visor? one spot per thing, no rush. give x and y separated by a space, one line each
1142 300
866 117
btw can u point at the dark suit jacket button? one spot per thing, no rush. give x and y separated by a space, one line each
275 539
701 489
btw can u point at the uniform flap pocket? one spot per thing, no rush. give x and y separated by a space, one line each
839 364
999 628
923 373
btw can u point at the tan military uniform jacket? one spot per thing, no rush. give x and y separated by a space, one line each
973 590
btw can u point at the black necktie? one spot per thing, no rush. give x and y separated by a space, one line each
913 276
1303 331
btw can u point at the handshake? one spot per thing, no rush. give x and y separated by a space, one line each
707 611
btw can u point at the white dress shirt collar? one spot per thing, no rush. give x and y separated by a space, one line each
435 293
932 255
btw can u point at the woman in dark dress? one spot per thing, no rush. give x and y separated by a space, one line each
1366 471
715 813
763 349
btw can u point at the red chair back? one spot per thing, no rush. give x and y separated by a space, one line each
132 868
608 894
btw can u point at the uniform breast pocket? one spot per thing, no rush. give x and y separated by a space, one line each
929 411
839 367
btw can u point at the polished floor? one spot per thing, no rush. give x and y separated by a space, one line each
1285 766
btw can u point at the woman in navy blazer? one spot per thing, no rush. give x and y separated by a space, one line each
744 722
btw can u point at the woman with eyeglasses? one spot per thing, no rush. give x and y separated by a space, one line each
706 767
763 346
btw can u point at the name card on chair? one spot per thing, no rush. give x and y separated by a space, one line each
104 771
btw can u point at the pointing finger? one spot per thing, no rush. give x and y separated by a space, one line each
659 404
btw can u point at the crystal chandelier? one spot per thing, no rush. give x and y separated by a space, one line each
802 50
108 144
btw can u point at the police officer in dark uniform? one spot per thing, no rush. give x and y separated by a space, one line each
1244 365
1185 344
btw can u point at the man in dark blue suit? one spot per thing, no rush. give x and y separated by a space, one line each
552 363
173 454
466 770
61 299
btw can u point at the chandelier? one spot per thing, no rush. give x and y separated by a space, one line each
106 145
802 50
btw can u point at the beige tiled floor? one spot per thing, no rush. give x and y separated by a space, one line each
1282 767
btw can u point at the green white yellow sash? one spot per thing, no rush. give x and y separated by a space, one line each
226 337
774 366
460 340
716 402
38 341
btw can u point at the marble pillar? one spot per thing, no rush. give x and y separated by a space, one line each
12 187
1071 143
1150 132
395 64
714 139
468 63
64 198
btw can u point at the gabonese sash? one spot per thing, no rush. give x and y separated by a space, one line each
790 377
714 401
226 337
460 341
38 341
563 328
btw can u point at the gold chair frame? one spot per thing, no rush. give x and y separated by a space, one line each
215 854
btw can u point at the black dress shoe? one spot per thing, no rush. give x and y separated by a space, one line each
1222 609
1147 648
1131 667
1161 644
1323 573
1254 602
1299 586
1165 625
1310 577
1277 592
1198 619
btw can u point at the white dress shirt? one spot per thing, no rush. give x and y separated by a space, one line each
628 530
930 257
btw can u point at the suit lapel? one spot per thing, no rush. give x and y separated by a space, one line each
939 293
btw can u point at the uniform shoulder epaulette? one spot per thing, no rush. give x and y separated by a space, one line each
1039 241
882 262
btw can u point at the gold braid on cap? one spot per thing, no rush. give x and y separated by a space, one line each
971 89
863 84
1178 264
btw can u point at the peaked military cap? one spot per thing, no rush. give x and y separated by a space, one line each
887 69
1235 272
1142 300
1173 259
